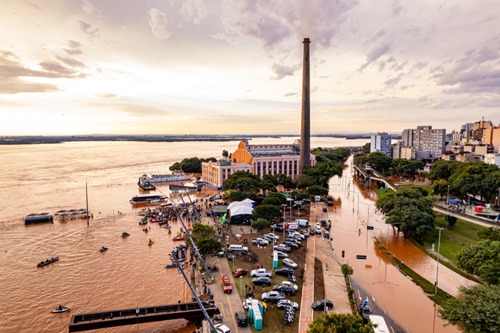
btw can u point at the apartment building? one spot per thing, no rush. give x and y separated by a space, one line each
428 143
381 142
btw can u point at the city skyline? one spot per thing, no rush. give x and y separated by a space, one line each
230 67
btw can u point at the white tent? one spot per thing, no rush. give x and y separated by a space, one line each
240 204
240 210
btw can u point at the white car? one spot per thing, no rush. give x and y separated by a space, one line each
285 303
290 284
318 226
272 296
260 272
221 328
297 235
272 236
281 254
290 263
248 303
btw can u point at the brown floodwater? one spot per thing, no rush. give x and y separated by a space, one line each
47 178
403 300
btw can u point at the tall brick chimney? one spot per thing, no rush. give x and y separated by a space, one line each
305 130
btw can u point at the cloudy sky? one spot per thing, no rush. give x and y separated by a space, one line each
235 66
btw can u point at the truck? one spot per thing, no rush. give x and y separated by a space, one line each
226 284
260 272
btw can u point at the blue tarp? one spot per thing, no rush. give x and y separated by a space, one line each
454 201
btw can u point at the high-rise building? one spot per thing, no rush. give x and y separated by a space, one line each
479 127
381 142
491 136
428 143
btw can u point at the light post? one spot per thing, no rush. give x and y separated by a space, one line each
241 279
437 267
233 262
447 205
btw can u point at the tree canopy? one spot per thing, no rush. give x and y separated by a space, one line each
243 182
475 310
191 164
409 211
483 259
379 161
270 213
339 323
205 238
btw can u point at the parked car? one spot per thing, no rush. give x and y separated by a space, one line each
291 244
226 284
260 241
325 209
272 296
241 319
282 248
286 303
305 233
281 254
272 236
290 284
297 235
284 289
318 225
221 328
262 281
284 271
312 231
290 263
240 272
318 231
320 305
260 272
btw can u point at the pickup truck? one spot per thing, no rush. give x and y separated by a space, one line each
260 272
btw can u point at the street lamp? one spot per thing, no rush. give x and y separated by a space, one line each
233 262
437 267
241 279
447 206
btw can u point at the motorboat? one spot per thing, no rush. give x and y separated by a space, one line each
61 309
38 218
125 234
151 242
48 261
171 266
178 238
143 221
145 184
103 249
147 198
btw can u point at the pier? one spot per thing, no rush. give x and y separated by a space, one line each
189 311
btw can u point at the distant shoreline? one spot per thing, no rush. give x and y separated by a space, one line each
30 140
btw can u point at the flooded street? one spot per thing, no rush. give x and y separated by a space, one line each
403 300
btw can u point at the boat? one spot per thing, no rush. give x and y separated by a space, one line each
125 234
143 221
38 218
175 176
103 249
147 198
145 184
171 266
48 261
178 238
61 309
151 242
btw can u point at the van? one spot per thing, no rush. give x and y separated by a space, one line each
317 198
292 226
237 248
302 223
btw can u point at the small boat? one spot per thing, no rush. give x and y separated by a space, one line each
166 226
143 221
61 309
178 238
125 234
48 261
171 266
151 242
145 184
103 249
38 218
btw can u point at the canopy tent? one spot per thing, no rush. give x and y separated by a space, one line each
240 213
240 210
250 202
454 201
239 204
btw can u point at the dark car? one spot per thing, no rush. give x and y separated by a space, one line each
284 289
262 281
284 271
325 209
321 304
241 319
291 244
312 231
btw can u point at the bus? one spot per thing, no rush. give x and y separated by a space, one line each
379 325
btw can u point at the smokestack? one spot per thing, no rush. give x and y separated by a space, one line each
305 130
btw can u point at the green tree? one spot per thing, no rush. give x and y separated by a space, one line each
483 259
275 198
346 270
225 153
261 224
409 211
340 323
442 169
270 213
440 187
244 182
475 310
205 238
317 190
492 233
379 161
407 168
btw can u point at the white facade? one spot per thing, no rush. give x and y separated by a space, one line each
381 142
492 159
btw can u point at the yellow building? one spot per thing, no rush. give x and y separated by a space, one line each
256 159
